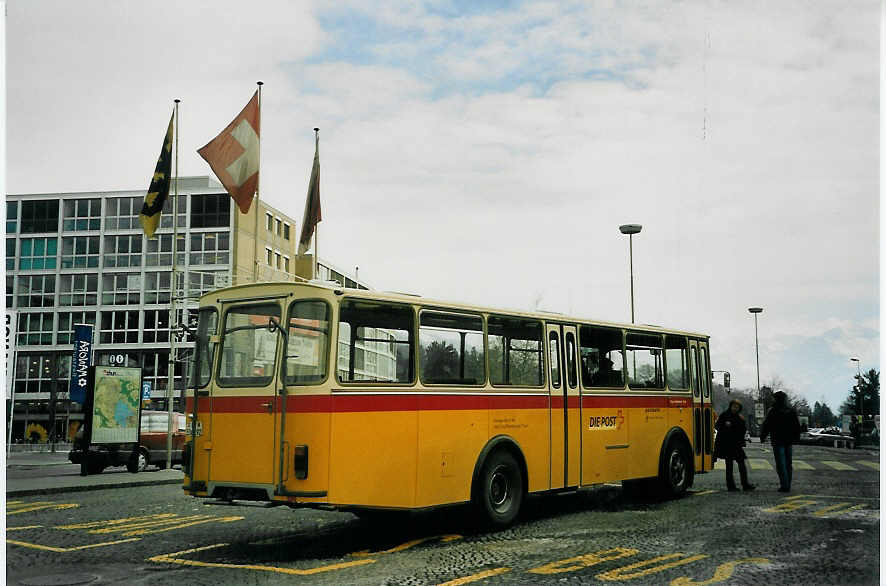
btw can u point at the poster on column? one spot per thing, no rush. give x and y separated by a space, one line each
81 360
116 404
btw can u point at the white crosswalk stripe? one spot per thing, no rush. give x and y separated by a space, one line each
837 465
761 464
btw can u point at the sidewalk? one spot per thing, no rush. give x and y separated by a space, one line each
33 473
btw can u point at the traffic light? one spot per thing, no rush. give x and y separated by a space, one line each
726 378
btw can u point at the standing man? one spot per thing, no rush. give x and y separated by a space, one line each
783 424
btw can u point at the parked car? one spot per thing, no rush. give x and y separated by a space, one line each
151 447
829 436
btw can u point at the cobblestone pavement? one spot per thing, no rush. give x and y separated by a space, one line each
825 532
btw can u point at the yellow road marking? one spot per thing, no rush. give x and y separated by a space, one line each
759 464
801 465
12 503
114 522
119 528
25 527
475 577
183 525
584 561
790 505
830 496
624 573
407 545
703 492
30 507
837 509
723 572
837 465
66 549
171 558
874 465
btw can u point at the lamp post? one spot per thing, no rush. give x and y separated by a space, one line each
755 311
630 230
860 393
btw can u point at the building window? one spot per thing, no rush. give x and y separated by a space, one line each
10 290
35 329
155 369
278 261
39 216
269 256
156 288
34 373
122 213
158 250
156 328
269 220
82 214
119 327
200 282
181 212
278 226
123 251
79 252
10 254
211 211
66 322
80 289
210 248
121 288
11 217
286 263
38 253
36 291
285 231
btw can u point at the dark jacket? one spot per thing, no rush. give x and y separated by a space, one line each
731 429
782 423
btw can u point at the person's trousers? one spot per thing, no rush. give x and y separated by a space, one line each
783 464
742 473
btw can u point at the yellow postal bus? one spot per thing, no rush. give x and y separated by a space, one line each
315 395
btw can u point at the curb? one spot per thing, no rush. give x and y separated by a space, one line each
63 489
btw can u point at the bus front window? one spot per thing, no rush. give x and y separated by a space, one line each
207 325
248 347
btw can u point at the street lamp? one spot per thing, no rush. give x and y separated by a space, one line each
630 230
860 393
755 311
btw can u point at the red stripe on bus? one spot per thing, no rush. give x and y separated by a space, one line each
370 402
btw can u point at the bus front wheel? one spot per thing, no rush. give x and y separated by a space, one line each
500 494
675 472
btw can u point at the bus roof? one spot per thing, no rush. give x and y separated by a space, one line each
248 292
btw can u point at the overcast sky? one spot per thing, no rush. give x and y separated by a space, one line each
488 155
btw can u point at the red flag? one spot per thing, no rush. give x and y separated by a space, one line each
233 155
313 214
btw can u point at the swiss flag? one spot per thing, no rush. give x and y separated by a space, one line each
233 155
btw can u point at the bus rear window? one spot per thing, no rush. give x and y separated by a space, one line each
248 346
375 342
308 349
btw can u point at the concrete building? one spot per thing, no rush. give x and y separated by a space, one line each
82 258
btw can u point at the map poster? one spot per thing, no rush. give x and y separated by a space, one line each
116 401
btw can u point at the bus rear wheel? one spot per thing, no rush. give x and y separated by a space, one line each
675 471
500 493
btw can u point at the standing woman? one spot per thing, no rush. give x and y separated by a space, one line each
730 444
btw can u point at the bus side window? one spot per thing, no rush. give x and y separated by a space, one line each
375 342
676 363
602 357
644 360
554 354
515 351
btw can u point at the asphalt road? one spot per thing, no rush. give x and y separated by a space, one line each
825 532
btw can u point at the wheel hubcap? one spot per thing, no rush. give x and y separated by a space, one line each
678 469
499 489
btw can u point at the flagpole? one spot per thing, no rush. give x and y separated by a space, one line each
317 225
255 240
170 385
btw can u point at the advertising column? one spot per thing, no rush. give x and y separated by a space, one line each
10 372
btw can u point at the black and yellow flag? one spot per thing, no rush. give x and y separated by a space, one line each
159 189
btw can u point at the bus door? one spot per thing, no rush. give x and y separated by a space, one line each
244 402
702 438
564 400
